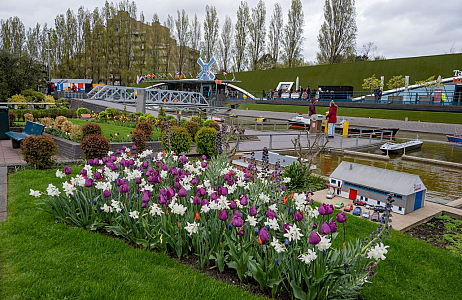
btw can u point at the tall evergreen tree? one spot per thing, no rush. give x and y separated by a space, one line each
337 36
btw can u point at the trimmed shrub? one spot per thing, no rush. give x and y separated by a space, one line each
297 175
192 128
59 121
150 118
205 141
82 110
212 124
38 151
161 114
28 117
171 119
48 122
12 117
183 121
62 103
95 146
197 119
142 119
112 112
139 140
181 140
90 128
145 127
17 99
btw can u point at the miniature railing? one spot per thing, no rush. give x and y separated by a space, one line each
33 104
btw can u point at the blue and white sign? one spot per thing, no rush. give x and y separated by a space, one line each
206 73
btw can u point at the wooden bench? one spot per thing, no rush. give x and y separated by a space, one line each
31 128
85 116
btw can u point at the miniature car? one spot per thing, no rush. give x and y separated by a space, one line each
375 216
379 209
339 205
330 196
348 207
368 206
366 214
260 119
359 202
357 211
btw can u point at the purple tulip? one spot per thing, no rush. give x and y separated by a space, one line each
237 221
106 194
67 170
298 216
204 157
203 164
134 147
264 235
183 159
123 148
146 197
333 226
314 238
88 182
123 189
325 229
194 181
83 172
244 201
144 164
138 180
286 227
177 185
329 209
201 191
315 225
164 168
174 171
223 215
182 192
162 199
227 176
341 217
114 167
144 205
271 214
204 202
253 211
223 191
97 176
241 231
196 200
170 193
213 196
232 205
119 182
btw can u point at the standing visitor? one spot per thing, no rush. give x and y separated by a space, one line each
263 95
376 94
332 118
312 107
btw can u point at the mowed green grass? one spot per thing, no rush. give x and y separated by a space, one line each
422 116
107 129
43 259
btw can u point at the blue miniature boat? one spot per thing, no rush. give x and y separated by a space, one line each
454 138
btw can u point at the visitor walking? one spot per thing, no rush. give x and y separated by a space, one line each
332 119
312 107
376 93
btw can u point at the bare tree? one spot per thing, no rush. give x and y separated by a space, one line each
183 37
195 33
293 35
257 32
274 33
210 31
307 155
337 36
225 44
240 38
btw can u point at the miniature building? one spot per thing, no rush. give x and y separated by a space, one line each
359 182
284 160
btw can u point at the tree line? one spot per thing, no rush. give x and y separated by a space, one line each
114 44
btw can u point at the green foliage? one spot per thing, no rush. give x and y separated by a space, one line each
297 175
181 140
138 138
183 121
161 114
205 141
150 118
17 99
95 146
145 127
112 112
197 119
171 119
212 124
396 82
192 128
82 110
62 103
12 117
430 84
142 119
38 151
90 128
370 83
33 96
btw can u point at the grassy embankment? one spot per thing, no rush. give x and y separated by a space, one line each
43 259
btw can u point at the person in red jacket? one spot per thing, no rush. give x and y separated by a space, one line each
332 118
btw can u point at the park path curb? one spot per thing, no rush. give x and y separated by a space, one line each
3 192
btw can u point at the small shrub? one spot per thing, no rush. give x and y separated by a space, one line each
161 114
145 127
49 99
82 110
197 119
61 102
48 122
205 141
212 124
183 121
90 128
150 118
17 99
192 128
59 121
34 96
28 117
297 176
112 112
139 140
181 140
94 146
142 119
38 151
12 117
171 119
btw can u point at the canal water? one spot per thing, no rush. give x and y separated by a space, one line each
443 184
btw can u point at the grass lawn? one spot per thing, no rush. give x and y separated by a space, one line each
109 129
43 259
423 116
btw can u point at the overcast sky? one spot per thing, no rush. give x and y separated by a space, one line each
399 28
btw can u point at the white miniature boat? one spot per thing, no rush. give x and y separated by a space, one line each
395 148
299 121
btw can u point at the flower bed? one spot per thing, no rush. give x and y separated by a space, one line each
244 220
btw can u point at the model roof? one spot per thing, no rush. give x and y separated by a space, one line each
378 178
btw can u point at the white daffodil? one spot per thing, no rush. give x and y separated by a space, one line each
205 209
163 174
52 190
378 252
79 180
116 206
324 244
286 179
192 228
60 174
178 209
69 189
272 223
106 208
273 207
103 185
293 234
154 210
109 153
264 198
134 214
278 246
308 257
252 221
36 194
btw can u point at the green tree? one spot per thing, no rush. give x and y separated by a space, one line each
370 83
210 32
225 44
274 33
257 32
240 37
396 82
337 36
430 84
183 37
293 35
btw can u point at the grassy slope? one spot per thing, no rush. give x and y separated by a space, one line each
423 116
42 259
107 129
418 68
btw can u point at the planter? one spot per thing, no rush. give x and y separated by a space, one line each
72 149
